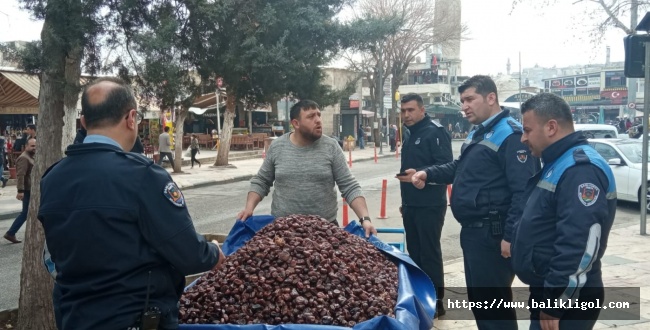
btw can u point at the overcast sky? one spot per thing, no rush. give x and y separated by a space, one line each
547 36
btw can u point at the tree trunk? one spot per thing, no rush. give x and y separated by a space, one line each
71 97
178 139
226 132
35 304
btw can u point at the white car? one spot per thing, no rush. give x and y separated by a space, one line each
598 131
624 157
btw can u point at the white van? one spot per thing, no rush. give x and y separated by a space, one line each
598 131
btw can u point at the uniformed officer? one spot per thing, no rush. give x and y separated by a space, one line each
423 211
562 234
116 225
488 179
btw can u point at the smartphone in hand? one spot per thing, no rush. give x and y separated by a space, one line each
401 174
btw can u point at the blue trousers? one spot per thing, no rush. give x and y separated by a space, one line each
20 220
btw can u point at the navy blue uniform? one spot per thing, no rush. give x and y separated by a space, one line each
489 176
564 228
423 210
117 227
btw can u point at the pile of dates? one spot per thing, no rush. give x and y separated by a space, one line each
298 269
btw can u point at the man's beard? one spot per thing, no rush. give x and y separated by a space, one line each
31 153
311 136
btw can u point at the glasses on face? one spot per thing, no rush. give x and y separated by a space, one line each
138 116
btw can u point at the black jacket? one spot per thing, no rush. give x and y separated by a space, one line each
426 143
112 245
490 173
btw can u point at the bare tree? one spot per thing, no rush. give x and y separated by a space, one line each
420 30
605 13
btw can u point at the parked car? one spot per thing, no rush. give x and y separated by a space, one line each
624 158
598 131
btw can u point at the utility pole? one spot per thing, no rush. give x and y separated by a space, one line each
381 96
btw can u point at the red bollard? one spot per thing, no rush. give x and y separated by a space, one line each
345 213
350 150
375 153
448 194
382 209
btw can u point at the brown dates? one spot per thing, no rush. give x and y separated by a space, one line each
298 269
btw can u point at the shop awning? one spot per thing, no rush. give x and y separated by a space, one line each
367 113
18 93
442 109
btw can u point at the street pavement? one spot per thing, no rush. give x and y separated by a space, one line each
215 194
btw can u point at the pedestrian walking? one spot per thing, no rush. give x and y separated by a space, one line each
303 167
194 149
165 147
562 236
423 210
24 166
361 134
488 179
120 254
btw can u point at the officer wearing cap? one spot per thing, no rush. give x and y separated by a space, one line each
116 225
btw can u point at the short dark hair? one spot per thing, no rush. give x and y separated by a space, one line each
116 104
549 106
166 129
406 98
32 127
484 85
302 105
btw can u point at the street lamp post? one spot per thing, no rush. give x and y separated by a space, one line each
381 96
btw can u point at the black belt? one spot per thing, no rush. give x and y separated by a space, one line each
476 224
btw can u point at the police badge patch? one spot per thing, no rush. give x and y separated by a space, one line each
489 134
174 194
522 156
417 141
588 193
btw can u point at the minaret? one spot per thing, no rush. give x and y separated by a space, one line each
508 66
447 17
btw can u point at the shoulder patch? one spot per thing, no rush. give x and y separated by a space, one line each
436 123
174 195
588 193
522 156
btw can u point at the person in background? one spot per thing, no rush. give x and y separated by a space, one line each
194 149
392 136
361 135
165 146
24 166
2 162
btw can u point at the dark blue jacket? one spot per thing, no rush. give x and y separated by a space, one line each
426 143
117 226
570 208
490 174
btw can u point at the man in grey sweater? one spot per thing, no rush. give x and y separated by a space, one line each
165 147
304 166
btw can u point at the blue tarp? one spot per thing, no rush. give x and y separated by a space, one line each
416 296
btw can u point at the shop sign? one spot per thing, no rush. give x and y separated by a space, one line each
18 111
593 81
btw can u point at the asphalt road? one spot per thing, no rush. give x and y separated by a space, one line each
214 209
